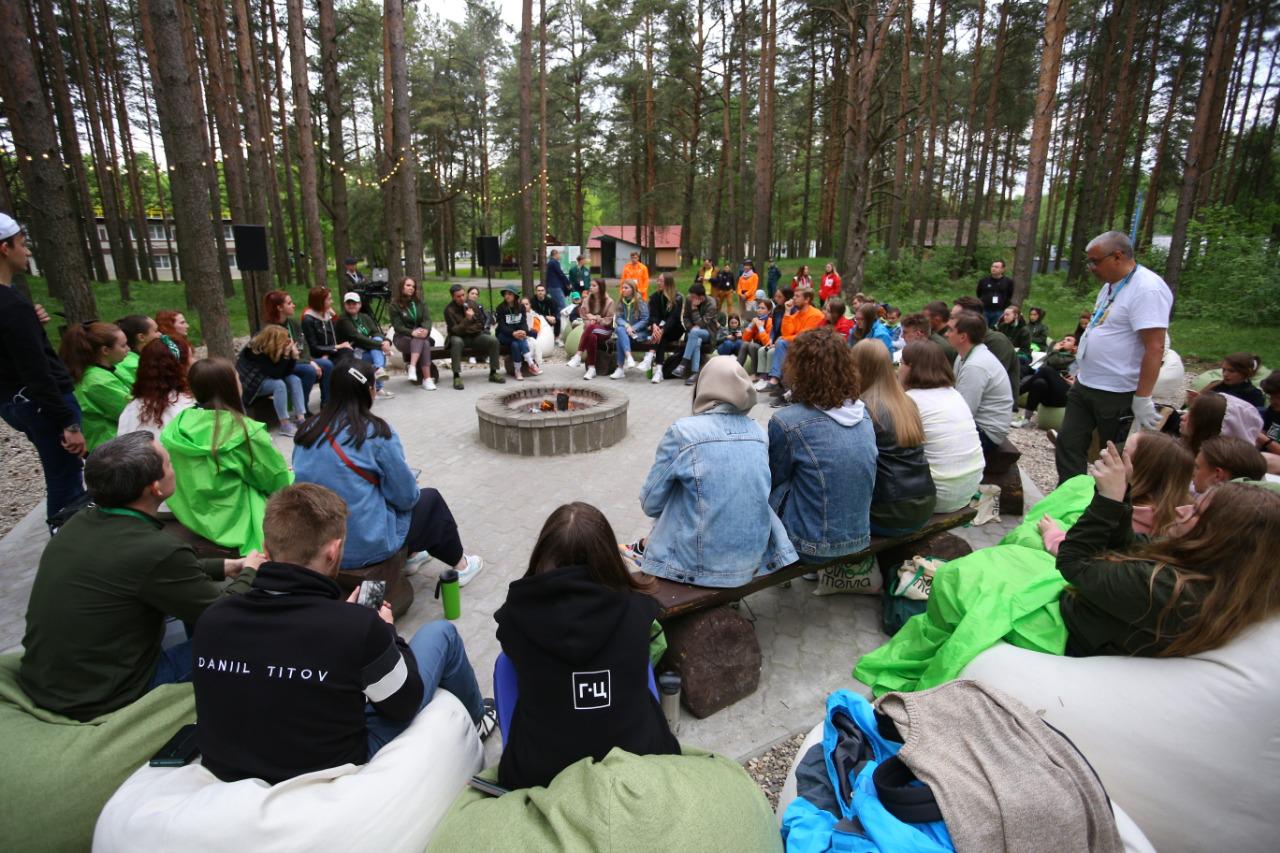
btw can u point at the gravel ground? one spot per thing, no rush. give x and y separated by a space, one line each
20 472
770 769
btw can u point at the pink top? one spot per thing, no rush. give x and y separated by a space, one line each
1141 524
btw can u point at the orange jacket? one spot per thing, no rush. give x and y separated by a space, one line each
749 333
801 321
640 273
748 284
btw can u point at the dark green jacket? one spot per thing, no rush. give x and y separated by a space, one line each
97 607
948 350
413 316
358 331
1039 335
1112 608
1018 334
1002 348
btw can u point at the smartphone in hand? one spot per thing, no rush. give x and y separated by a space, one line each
180 749
372 594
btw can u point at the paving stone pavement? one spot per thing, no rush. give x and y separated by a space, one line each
809 643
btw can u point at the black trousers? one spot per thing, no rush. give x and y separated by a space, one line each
1045 387
432 529
672 338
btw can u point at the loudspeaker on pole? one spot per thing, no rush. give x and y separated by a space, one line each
251 247
488 253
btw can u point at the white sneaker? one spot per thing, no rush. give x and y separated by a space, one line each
590 374
416 562
576 361
648 361
413 373
761 384
381 373
384 394
657 375
618 374
428 384
519 374
631 362
471 359
474 564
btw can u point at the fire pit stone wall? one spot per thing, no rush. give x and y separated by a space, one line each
507 425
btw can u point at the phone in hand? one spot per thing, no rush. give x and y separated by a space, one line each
485 786
372 594
180 749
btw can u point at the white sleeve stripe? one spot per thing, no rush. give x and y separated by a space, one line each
387 686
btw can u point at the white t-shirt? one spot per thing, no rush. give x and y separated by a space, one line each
1111 350
131 417
950 444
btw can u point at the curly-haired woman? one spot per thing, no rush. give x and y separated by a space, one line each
160 390
822 451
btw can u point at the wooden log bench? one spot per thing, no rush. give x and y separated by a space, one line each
715 649
1002 470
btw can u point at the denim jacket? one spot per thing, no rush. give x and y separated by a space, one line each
709 490
823 466
634 315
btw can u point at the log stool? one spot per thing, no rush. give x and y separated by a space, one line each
1002 470
718 657
391 570
944 546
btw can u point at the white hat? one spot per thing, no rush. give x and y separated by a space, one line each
351 296
8 226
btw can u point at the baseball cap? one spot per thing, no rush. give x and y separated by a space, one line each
351 296
8 226
576 296
761 296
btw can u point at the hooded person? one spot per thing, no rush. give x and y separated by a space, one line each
225 464
577 619
710 472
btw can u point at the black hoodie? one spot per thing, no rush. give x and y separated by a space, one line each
581 656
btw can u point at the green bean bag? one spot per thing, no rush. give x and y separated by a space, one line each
1203 380
58 773
694 801
1050 417
571 340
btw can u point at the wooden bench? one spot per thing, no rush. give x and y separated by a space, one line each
1002 470
715 649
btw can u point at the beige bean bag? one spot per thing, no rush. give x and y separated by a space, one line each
392 803
1190 746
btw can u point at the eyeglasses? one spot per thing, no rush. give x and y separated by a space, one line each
1093 262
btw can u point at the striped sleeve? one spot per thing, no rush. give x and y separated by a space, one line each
390 678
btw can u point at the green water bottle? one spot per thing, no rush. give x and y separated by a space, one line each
451 597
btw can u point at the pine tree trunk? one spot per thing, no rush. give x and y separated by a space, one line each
182 130
524 220
53 223
272 61
765 132
1217 65
933 61
1055 27
900 187
691 154
966 170
987 152
257 162
1146 228
308 190
328 32
541 241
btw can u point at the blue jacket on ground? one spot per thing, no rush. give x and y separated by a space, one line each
556 277
808 826
377 516
823 470
709 489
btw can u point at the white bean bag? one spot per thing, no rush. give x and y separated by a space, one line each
1191 746
1132 837
392 803
546 339
1169 384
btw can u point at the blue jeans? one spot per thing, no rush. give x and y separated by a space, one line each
519 349
442 662
376 357
173 667
693 348
993 317
326 376
306 373
729 347
558 297
626 336
285 394
779 356
63 471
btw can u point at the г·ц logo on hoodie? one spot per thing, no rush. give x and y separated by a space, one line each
591 690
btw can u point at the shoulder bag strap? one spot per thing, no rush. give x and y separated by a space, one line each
367 476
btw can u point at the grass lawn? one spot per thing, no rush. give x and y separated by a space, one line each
1204 339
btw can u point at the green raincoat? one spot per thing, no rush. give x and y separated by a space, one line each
1008 592
127 370
223 499
102 395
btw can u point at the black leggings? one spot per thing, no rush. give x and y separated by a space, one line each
1045 387
672 336
432 529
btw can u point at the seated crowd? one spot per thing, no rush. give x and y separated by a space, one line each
1171 556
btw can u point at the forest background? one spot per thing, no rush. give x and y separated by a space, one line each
909 142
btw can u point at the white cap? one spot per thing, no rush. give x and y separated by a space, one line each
351 296
8 226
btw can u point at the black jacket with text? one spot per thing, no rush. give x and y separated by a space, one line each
581 656
283 673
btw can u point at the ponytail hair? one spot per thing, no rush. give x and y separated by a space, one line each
82 343
1244 363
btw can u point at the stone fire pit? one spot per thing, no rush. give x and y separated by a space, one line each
525 420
